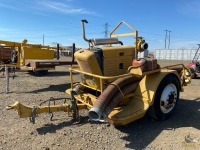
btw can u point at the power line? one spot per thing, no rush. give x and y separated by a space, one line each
169 39
43 39
106 29
165 37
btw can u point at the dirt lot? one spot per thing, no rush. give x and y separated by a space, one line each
180 131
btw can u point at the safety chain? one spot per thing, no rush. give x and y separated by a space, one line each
49 105
33 114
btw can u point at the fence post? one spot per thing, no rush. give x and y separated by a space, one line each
7 79
57 52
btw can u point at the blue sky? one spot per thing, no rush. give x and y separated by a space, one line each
59 20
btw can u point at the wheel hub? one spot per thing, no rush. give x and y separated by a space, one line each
168 98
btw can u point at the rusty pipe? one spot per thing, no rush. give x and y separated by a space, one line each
130 88
100 104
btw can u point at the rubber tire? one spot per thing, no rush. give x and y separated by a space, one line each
155 110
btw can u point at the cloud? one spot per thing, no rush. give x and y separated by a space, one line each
8 7
64 8
190 7
2 29
184 44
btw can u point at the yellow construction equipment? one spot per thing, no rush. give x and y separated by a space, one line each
30 57
23 51
117 86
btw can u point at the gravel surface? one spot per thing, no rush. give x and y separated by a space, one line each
180 131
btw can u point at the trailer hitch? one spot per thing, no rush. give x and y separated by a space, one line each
32 112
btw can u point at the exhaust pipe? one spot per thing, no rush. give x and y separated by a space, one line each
95 113
83 30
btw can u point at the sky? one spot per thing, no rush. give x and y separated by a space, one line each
59 21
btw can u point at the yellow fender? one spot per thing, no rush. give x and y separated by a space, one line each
148 85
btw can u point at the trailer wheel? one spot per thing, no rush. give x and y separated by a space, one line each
166 98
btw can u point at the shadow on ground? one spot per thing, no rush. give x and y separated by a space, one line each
58 88
52 128
51 74
142 132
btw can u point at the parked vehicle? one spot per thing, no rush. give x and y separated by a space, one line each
30 57
195 64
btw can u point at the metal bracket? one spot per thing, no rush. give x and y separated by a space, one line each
75 111
33 115
49 104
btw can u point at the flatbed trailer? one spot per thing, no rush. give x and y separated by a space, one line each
31 57
45 64
41 67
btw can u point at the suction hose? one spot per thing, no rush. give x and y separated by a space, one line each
130 88
103 100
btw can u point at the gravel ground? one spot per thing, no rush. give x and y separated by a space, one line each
180 131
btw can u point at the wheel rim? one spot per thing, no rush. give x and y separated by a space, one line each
168 98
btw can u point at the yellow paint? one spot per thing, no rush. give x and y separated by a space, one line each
29 51
35 53
26 111
87 62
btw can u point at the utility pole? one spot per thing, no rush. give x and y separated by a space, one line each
169 39
165 37
43 39
106 29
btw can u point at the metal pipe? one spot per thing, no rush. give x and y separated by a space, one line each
83 29
73 51
98 76
194 58
102 101
7 79
71 77
116 99
58 55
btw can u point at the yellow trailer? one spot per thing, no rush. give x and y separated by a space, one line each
29 57
117 86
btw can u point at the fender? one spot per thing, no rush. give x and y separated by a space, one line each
148 85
